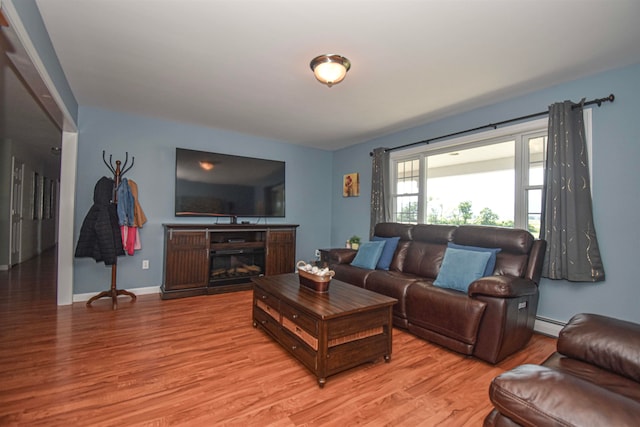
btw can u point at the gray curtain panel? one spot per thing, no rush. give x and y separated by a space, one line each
379 188
567 216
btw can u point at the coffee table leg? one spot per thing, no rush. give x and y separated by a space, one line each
387 358
321 382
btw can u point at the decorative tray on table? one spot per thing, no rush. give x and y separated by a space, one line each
313 277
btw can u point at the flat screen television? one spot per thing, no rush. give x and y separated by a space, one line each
214 184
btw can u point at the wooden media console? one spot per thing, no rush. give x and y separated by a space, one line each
206 259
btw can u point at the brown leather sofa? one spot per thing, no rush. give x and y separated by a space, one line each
491 321
592 380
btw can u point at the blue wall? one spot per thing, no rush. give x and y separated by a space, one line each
616 191
152 142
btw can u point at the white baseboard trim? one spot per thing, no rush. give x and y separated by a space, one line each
546 326
138 291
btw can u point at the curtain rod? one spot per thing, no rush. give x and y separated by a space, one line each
598 101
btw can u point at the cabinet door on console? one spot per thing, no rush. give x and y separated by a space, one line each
281 251
187 259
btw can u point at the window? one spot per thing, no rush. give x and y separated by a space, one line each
536 149
407 183
493 178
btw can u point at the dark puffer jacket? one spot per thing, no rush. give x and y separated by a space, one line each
100 236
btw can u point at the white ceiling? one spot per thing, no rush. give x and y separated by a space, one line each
243 65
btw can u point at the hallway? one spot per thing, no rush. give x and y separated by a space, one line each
29 284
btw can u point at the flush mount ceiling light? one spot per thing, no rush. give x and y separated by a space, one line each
330 69
206 165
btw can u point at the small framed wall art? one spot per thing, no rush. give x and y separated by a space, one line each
351 185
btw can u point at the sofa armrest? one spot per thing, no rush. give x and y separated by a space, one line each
340 255
608 343
503 287
528 394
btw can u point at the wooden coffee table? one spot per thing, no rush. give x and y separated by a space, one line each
327 332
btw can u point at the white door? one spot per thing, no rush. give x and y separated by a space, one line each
16 210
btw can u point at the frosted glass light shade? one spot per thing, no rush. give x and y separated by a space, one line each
330 69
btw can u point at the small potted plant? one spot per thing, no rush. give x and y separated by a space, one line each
355 242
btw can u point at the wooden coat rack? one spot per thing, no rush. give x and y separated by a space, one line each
117 172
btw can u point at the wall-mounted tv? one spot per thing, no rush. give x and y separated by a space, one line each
214 184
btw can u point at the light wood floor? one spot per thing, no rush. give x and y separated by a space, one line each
199 362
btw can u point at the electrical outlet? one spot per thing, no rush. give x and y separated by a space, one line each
145 264
317 253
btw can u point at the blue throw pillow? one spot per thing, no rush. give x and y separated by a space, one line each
391 243
491 264
460 267
368 255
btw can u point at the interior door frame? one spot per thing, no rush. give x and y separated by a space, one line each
66 197
16 209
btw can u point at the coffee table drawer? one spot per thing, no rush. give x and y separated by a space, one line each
266 298
300 318
271 311
266 321
300 350
300 333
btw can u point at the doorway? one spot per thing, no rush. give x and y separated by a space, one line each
44 126
17 198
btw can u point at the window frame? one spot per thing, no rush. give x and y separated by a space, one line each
521 132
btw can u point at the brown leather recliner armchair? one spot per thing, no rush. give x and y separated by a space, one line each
592 380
